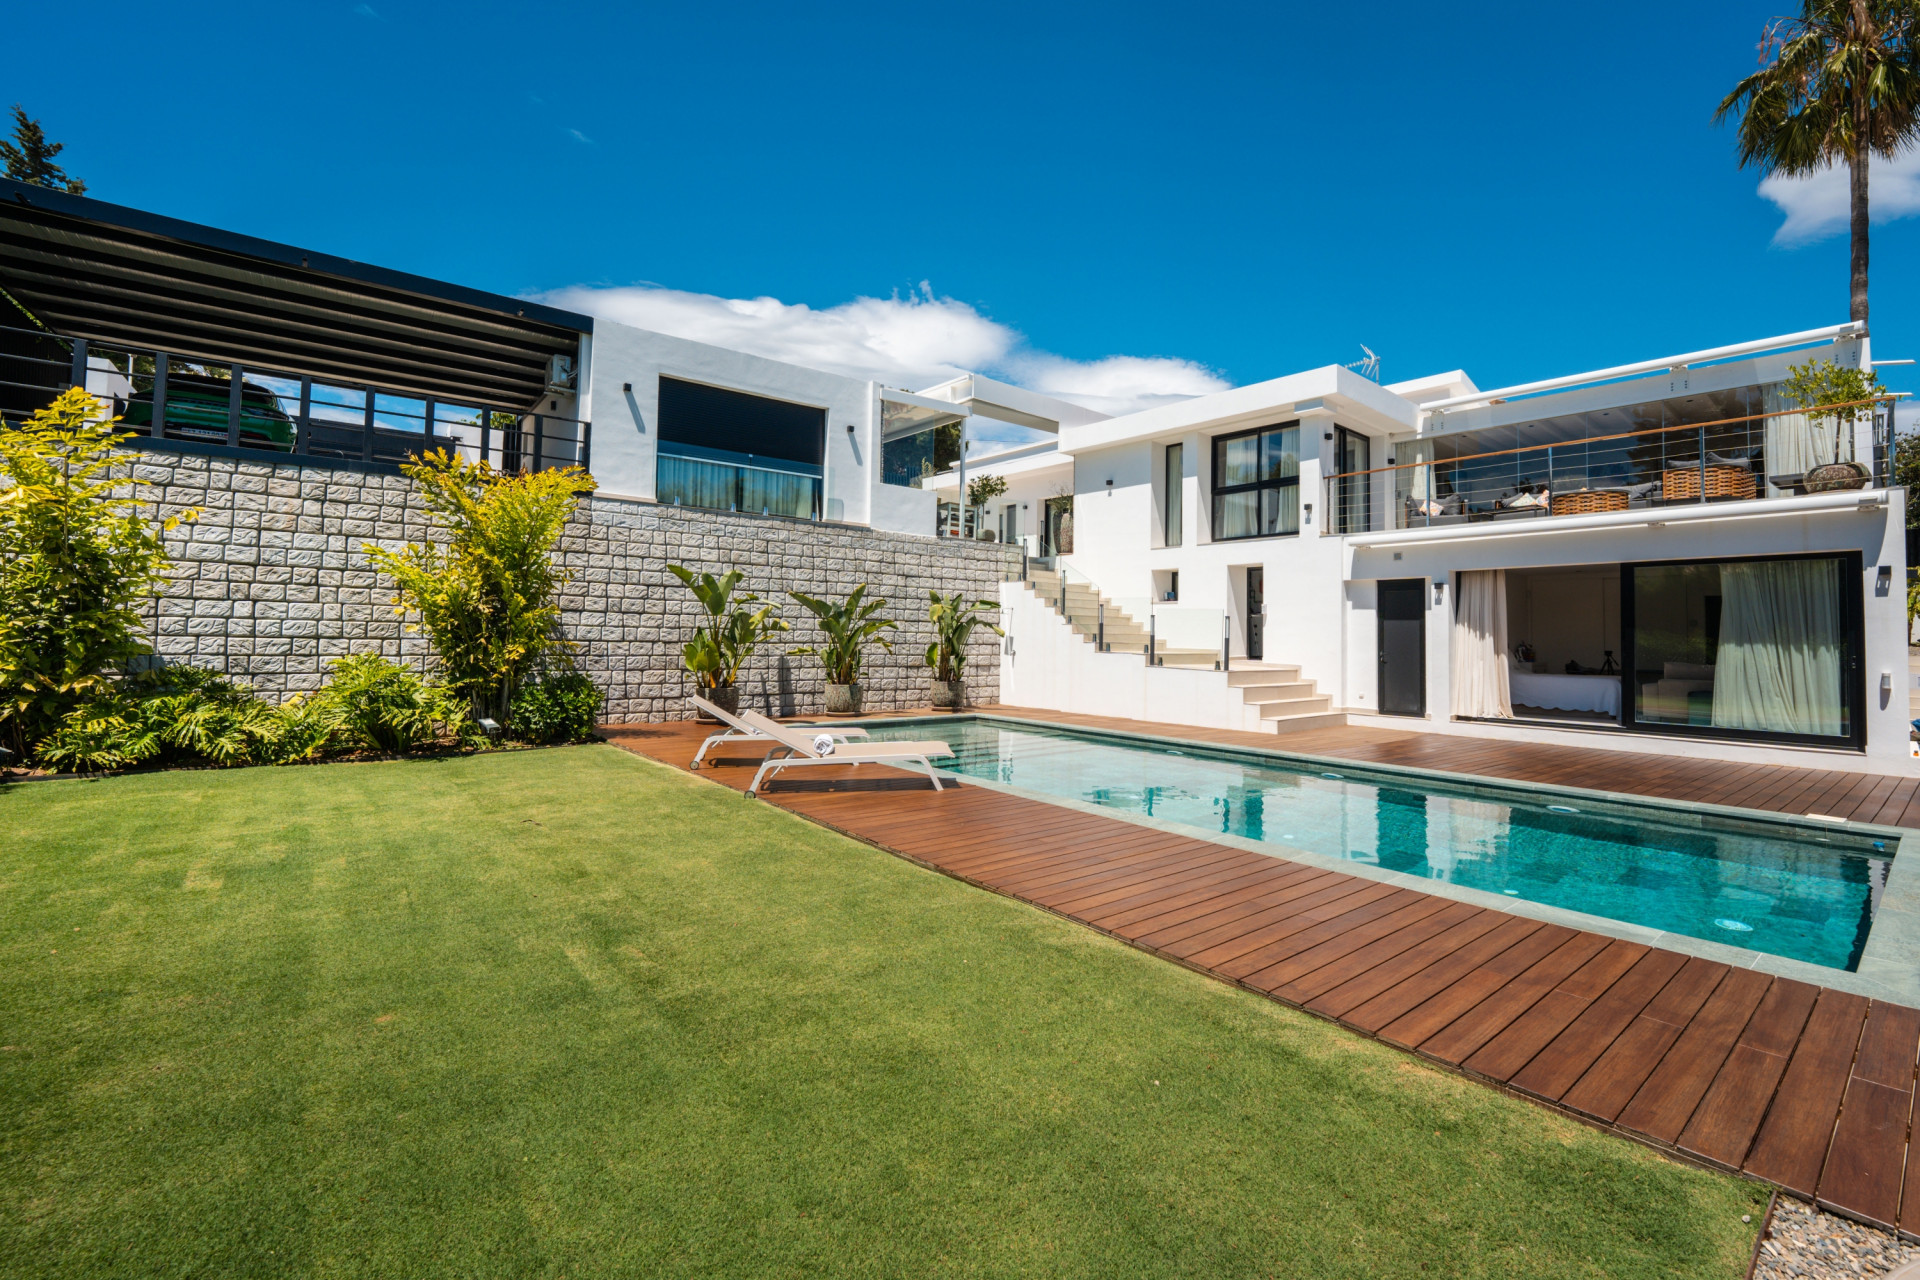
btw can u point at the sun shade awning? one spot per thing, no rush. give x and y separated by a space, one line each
103 272
905 414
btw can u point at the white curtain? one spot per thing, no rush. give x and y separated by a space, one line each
1480 644
1781 639
1794 445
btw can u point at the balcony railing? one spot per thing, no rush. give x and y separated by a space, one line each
189 399
690 476
1720 461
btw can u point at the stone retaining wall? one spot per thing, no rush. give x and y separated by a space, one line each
271 583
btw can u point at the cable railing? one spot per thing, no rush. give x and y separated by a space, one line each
167 396
1774 454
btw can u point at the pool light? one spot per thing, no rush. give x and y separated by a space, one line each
1737 926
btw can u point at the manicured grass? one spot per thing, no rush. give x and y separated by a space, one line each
569 1013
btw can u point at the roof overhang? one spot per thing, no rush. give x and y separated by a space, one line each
1713 355
120 276
903 413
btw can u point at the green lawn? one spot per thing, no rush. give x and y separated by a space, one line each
570 1013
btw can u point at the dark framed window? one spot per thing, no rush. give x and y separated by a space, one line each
1765 649
1256 483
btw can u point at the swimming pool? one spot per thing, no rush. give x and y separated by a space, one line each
1786 889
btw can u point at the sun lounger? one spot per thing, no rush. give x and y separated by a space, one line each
798 741
739 731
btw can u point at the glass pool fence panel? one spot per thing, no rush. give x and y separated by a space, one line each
171 397
1189 635
1724 460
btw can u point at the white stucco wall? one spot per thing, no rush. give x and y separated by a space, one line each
625 422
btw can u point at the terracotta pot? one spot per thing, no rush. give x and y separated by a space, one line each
844 699
950 694
1829 476
726 697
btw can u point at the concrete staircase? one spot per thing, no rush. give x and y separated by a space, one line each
1099 621
1279 699
1282 699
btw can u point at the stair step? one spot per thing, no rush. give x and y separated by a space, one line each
1311 720
1242 676
1286 707
1278 692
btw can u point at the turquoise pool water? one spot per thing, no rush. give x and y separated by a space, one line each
1790 890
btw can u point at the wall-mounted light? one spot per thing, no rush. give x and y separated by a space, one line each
1439 590
1309 515
627 387
849 428
1883 580
1109 483
1327 435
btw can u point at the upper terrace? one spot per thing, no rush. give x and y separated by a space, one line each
1688 431
206 341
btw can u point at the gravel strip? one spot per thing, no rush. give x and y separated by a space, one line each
1806 1242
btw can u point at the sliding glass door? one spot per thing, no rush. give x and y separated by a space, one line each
1766 649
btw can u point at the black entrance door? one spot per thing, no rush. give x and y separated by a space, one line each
1256 613
1403 647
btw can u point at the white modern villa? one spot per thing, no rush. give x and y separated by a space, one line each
1647 557
1626 557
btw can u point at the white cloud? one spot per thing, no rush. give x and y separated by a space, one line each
908 342
582 138
1816 205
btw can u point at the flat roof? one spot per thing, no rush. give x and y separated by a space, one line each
122 276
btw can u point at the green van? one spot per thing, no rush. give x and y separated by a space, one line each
197 410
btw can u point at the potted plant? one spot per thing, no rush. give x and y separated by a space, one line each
954 618
980 491
849 624
733 630
1829 393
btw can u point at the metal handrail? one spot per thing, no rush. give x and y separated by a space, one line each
1825 410
1459 476
298 414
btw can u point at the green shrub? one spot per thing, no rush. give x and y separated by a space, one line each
76 562
489 599
176 715
375 704
557 708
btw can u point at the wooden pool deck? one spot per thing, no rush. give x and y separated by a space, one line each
1805 1087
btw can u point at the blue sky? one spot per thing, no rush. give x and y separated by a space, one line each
1519 190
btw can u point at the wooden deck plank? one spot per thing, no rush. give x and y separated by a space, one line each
1722 1127
1345 967
1729 1066
1480 1022
1667 1100
1581 1015
1559 1062
1611 1082
1864 1172
1791 1147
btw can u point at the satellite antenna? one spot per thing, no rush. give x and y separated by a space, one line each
1368 368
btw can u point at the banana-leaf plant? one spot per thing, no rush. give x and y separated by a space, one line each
733 630
850 625
954 617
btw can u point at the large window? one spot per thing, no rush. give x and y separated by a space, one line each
1766 648
738 452
1256 483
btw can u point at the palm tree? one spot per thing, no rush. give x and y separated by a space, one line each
1839 82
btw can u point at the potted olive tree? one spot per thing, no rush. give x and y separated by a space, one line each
954 617
732 631
980 491
1829 393
849 626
